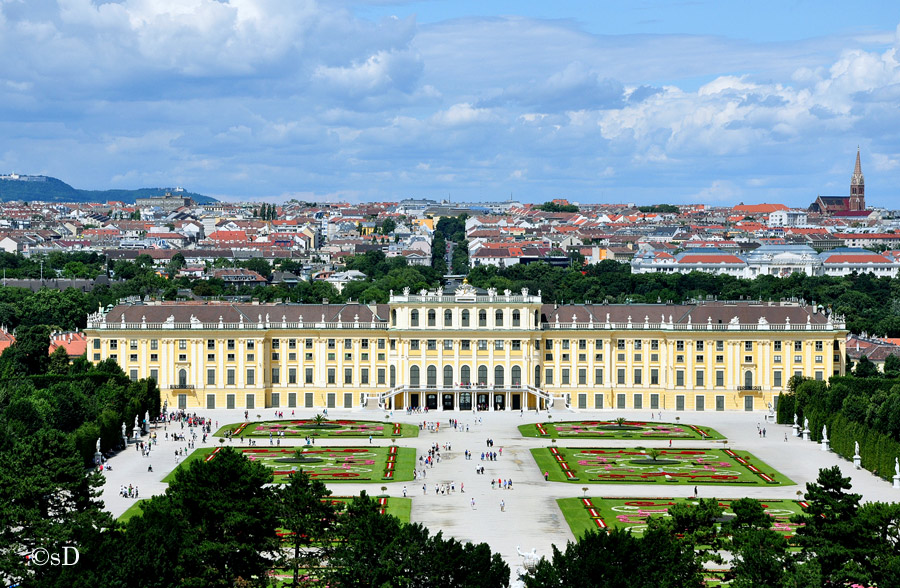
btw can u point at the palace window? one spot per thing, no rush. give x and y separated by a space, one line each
516 318
448 318
432 318
414 318
498 318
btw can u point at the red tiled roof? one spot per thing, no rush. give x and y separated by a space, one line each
856 258
710 259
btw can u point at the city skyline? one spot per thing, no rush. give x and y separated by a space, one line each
362 101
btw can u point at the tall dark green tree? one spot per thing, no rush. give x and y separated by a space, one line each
618 559
377 550
215 526
47 499
309 518
833 533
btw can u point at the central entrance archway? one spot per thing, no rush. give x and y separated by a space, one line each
465 401
448 401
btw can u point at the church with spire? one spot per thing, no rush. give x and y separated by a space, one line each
852 205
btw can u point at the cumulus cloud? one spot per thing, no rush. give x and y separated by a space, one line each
274 97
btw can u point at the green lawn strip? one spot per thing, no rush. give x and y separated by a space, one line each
403 470
194 455
547 463
133 510
691 471
590 431
350 427
576 516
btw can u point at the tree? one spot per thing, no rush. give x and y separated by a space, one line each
377 550
554 207
892 366
832 532
47 498
308 517
215 526
865 368
619 559
28 355
459 263
59 362
388 226
760 555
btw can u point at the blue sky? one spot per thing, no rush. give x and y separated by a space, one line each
642 101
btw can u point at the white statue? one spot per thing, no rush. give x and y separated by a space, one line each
124 434
795 420
147 418
896 467
824 433
856 448
136 426
805 423
98 444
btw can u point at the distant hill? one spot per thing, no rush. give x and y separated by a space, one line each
47 189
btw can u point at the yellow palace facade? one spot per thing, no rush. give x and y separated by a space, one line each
464 348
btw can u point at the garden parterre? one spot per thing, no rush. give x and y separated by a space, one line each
583 514
328 464
312 428
611 429
698 466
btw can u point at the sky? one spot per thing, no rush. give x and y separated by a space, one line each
645 101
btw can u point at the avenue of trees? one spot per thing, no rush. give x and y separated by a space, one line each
862 407
81 400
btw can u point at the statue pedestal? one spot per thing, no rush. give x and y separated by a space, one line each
136 433
897 482
98 458
857 461
796 430
825 445
806 434
124 441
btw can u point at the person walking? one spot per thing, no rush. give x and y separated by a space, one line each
404 492
695 492
473 503
502 506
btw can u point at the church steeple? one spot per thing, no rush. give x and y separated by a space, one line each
857 187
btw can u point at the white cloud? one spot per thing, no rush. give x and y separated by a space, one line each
302 96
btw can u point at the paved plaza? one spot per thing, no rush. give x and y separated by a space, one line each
531 518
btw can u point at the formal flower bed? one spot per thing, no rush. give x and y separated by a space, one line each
670 466
637 430
333 464
310 428
633 514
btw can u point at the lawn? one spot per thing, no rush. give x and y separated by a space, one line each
583 514
329 464
319 428
133 510
636 430
702 466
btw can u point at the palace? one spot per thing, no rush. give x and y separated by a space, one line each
461 348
